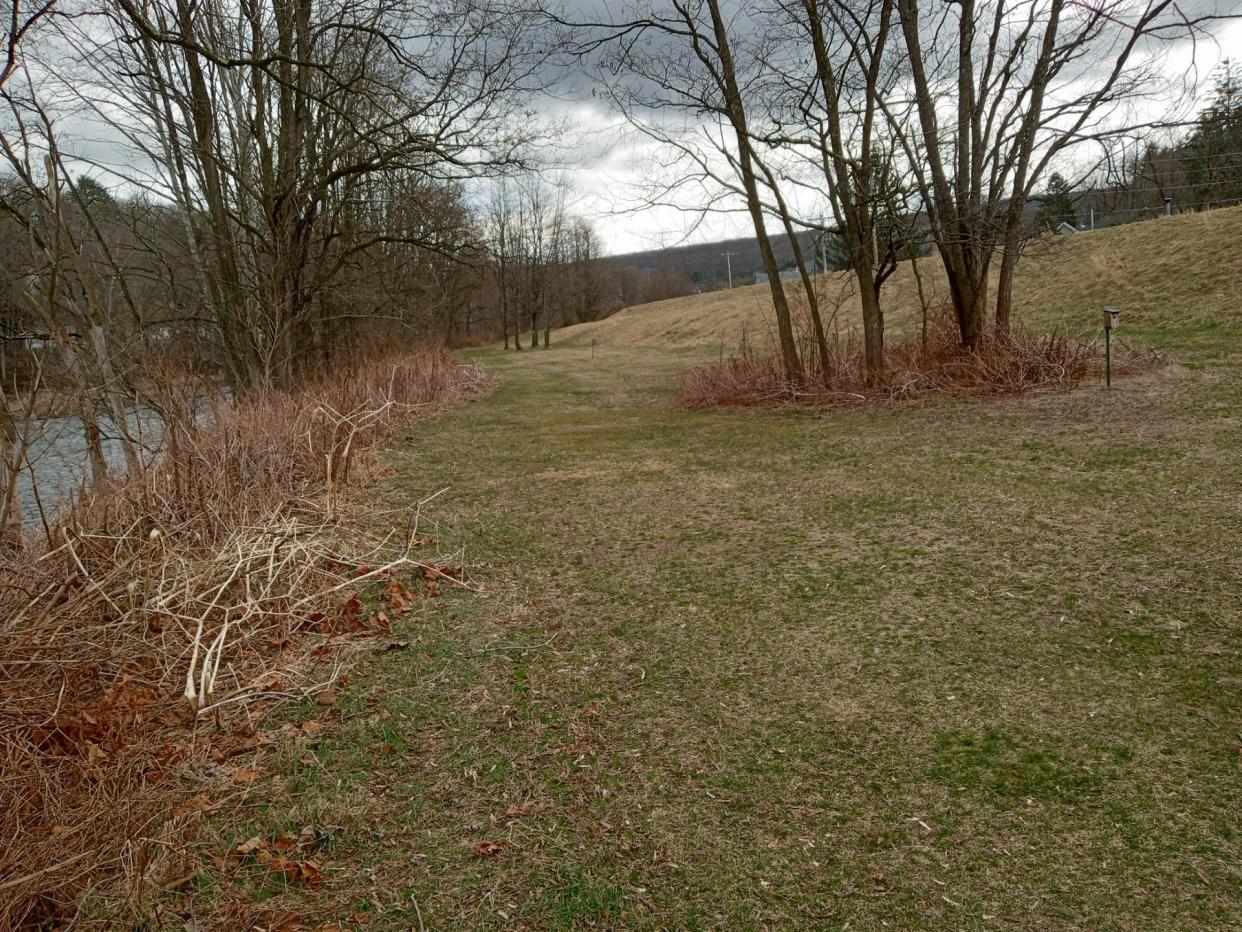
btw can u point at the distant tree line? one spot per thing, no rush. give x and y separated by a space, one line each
1198 168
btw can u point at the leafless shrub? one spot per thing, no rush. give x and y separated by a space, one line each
134 643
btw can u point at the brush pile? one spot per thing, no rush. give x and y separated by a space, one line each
138 635
1011 364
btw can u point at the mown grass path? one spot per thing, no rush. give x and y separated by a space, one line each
970 665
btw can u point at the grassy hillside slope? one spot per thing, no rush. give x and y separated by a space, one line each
1176 280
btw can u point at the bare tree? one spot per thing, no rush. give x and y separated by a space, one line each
500 233
69 259
831 109
19 23
690 69
1002 89
279 130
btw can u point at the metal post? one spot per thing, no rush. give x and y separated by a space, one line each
729 266
1108 357
1168 207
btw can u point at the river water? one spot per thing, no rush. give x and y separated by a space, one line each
57 464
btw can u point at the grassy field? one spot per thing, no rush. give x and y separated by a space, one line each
969 665
1175 279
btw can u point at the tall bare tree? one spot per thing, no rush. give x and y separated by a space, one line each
685 86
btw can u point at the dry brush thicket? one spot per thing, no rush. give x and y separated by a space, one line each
144 633
937 365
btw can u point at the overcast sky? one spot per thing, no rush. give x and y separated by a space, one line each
608 164
611 163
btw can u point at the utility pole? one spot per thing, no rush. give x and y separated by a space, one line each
729 266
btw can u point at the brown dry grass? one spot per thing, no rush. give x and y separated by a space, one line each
1185 262
137 637
933 666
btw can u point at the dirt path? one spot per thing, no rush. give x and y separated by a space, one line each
963 666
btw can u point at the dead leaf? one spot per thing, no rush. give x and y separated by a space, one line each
246 775
488 849
397 596
284 922
311 872
516 812
199 803
432 572
252 845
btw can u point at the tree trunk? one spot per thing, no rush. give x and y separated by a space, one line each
918 281
969 293
737 116
1004 290
808 286
94 441
852 182
1017 199
119 418
873 318
10 506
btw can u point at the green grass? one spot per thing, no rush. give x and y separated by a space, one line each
965 665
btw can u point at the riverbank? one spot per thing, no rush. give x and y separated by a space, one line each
148 634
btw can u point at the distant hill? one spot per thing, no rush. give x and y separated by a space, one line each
704 263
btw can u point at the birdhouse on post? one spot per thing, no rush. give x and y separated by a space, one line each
1112 320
